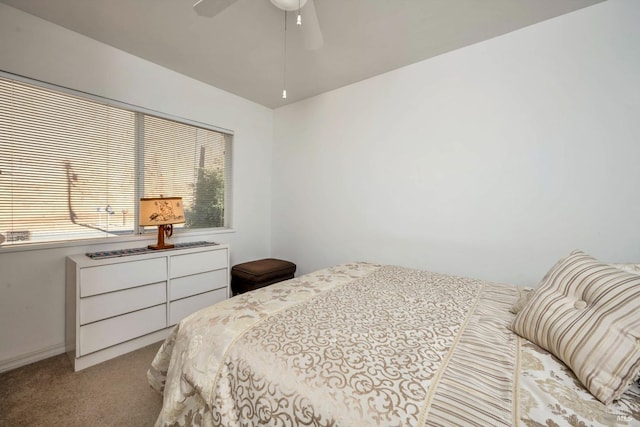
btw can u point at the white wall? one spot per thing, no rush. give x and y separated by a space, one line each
32 282
492 161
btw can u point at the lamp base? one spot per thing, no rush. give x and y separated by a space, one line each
155 247
161 244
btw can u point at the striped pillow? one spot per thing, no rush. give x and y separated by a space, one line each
587 314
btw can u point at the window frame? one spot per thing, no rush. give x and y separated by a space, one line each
139 233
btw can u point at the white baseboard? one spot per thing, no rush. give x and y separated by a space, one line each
34 356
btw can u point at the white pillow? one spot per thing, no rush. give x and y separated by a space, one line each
629 268
523 300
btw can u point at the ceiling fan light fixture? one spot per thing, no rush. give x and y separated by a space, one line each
289 5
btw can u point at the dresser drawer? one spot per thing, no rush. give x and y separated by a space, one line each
180 309
198 283
111 304
199 262
113 277
115 330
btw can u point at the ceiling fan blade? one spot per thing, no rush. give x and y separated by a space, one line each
311 27
210 8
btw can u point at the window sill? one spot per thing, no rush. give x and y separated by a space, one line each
139 239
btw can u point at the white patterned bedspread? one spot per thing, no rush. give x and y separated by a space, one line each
369 345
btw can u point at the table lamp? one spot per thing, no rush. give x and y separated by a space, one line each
163 212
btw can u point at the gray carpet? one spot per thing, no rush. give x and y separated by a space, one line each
49 393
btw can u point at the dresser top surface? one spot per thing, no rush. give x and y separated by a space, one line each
128 255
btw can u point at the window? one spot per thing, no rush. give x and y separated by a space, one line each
74 167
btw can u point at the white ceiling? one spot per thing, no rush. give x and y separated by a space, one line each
241 49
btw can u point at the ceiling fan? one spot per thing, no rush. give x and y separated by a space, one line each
310 26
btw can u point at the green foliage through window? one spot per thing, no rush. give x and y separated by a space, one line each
208 203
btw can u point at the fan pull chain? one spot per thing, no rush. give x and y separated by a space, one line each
284 83
299 20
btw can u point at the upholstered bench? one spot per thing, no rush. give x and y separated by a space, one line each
252 275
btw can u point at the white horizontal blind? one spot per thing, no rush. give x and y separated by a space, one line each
68 166
189 162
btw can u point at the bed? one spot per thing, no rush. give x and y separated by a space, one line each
362 344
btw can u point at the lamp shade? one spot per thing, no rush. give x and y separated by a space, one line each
161 211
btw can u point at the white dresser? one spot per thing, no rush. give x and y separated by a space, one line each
116 305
